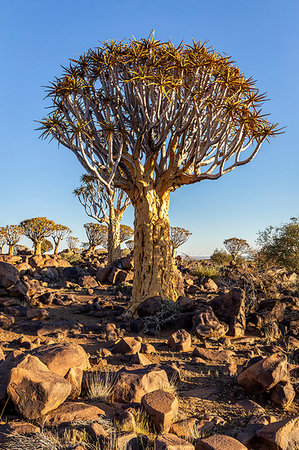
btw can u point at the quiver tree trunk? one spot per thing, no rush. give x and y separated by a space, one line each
154 271
56 245
11 249
38 248
113 245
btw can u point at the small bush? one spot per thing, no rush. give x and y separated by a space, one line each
99 386
200 270
220 257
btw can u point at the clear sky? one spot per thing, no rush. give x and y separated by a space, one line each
38 36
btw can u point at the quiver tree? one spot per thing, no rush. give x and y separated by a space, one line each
236 247
46 246
72 242
59 233
37 229
149 117
2 239
97 235
13 234
104 204
178 237
130 244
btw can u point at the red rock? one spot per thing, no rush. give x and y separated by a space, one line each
282 435
133 383
264 374
140 359
283 394
70 412
59 358
207 325
9 275
219 442
180 341
37 392
230 308
161 407
127 345
169 441
74 377
147 348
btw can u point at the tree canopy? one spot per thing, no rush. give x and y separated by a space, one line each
236 246
37 229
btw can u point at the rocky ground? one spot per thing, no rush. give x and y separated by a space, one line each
218 369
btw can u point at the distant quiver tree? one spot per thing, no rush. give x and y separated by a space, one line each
37 229
178 237
59 233
2 239
13 234
236 247
97 234
149 117
104 205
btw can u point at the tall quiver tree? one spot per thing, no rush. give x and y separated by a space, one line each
2 239
13 234
104 205
59 233
178 237
37 229
148 117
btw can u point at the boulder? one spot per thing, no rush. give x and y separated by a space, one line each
281 435
283 394
133 383
207 325
264 374
125 441
219 442
36 392
72 411
140 359
74 377
88 282
103 273
60 358
127 345
168 441
161 407
11 428
230 308
180 341
150 306
9 275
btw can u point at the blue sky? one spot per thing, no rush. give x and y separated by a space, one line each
38 178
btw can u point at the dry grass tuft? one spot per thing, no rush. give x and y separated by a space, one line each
99 385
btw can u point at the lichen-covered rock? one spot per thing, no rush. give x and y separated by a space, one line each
161 407
207 325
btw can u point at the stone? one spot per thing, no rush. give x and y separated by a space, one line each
70 412
219 442
140 359
30 362
58 327
127 345
125 441
59 358
147 348
37 314
168 441
264 374
9 275
207 325
230 308
102 273
150 306
97 433
6 320
213 355
161 407
281 435
133 383
36 392
88 282
74 377
22 427
283 394
184 428
180 341
210 285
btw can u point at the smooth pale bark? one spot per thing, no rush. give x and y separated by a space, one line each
38 248
56 245
154 270
11 249
114 251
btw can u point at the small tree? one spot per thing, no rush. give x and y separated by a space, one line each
178 237
280 245
13 234
104 205
149 117
97 235
37 229
59 233
46 246
125 234
72 242
236 247
2 239
220 257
